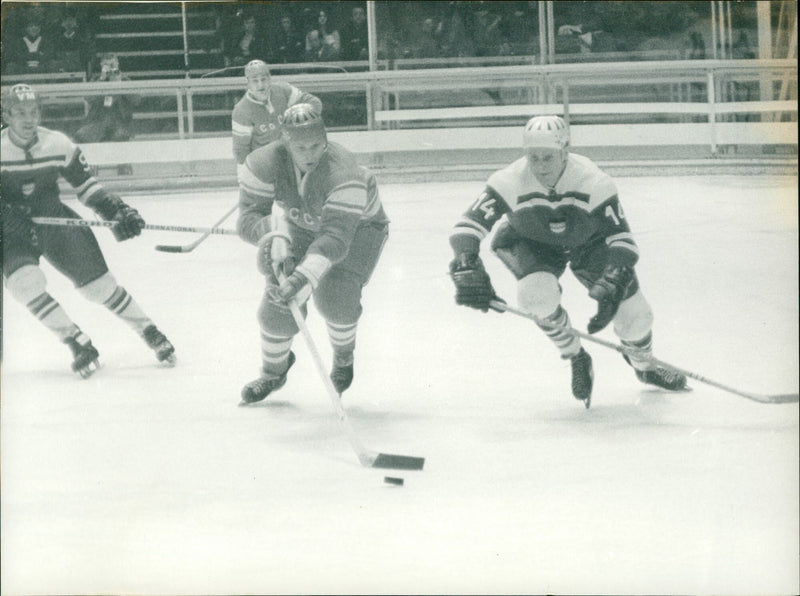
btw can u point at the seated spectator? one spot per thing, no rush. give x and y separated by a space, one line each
72 46
697 47
246 43
325 44
288 44
453 33
28 51
110 116
518 29
427 46
488 37
355 37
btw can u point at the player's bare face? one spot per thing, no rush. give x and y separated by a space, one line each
258 85
23 119
546 164
306 154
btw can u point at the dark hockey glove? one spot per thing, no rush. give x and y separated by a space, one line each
275 257
128 222
473 286
17 225
609 291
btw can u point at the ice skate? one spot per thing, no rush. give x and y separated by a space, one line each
582 377
158 342
661 377
85 356
259 389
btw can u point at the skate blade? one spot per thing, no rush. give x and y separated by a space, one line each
88 370
168 362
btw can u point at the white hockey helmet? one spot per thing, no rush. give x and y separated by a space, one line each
546 131
16 95
256 67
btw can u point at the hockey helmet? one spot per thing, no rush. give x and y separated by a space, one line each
16 95
302 121
256 67
546 131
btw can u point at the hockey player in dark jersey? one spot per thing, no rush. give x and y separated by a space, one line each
556 208
33 159
255 121
323 238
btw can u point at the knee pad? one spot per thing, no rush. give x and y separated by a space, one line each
539 293
338 298
26 283
634 319
100 289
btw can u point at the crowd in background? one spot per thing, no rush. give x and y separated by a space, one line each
62 37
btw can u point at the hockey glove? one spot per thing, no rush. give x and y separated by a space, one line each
17 225
473 286
275 256
128 222
295 287
609 291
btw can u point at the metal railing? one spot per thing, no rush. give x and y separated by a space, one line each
664 85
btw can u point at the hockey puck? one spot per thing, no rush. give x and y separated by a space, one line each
392 480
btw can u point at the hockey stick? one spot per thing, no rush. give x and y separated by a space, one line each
368 459
85 223
776 398
191 246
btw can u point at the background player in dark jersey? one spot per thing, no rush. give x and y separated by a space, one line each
325 238
33 159
256 117
558 208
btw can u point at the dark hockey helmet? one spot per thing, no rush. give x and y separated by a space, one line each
16 95
302 121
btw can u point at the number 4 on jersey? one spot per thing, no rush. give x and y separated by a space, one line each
615 217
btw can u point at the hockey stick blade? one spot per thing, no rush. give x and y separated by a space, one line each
164 248
398 462
367 458
191 246
778 398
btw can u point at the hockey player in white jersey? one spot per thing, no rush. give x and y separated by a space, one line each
554 209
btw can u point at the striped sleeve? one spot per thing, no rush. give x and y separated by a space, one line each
78 174
256 197
242 131
476 223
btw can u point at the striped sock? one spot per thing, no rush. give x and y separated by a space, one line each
557 327
643 349
45 308
343 341
274 353
122 304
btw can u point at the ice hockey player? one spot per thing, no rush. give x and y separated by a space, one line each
256 116
325 240
559 208
33 158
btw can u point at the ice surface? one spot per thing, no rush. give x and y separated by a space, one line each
153 481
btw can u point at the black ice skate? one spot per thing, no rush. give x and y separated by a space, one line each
158 342
342 376
582 377
85 356
661 377
260 388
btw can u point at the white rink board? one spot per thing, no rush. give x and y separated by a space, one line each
152 481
